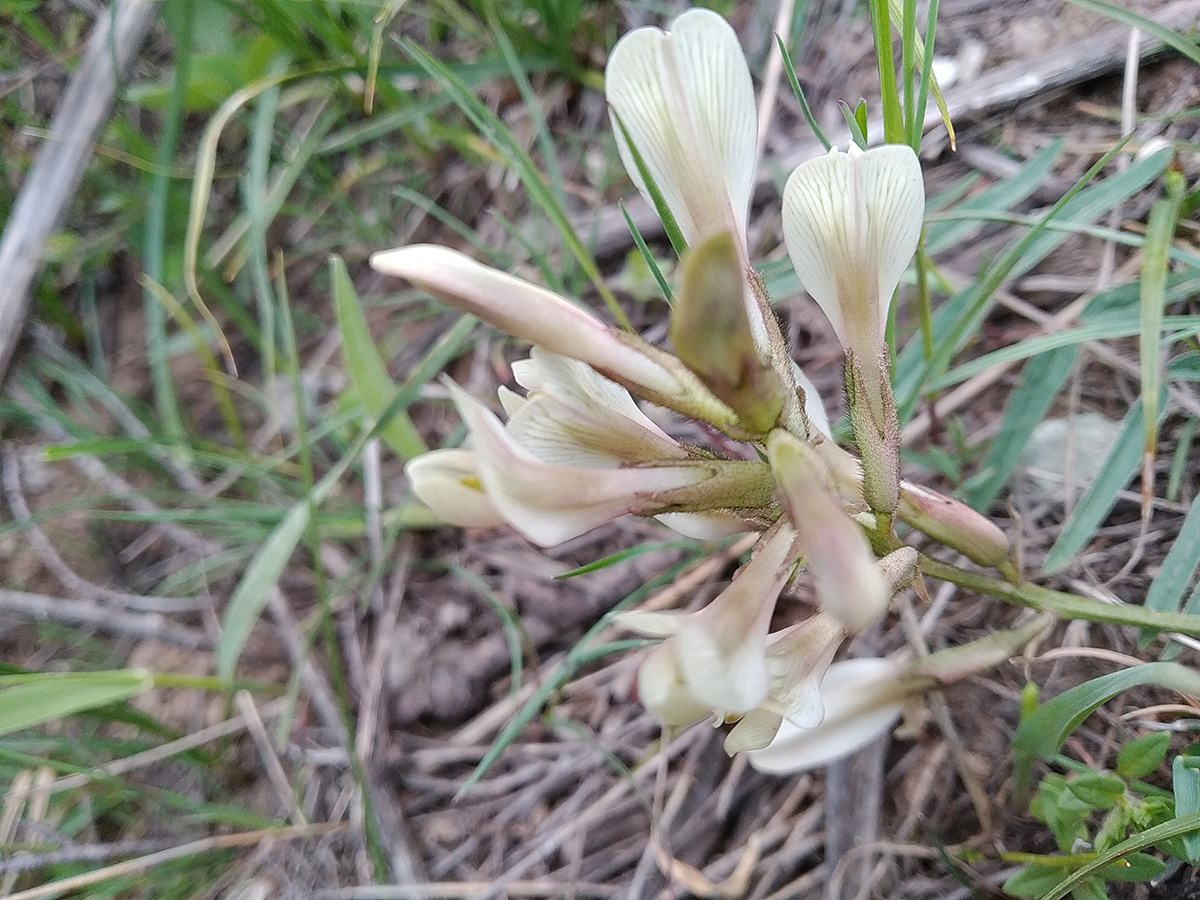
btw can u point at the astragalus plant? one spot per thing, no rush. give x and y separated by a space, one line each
580 446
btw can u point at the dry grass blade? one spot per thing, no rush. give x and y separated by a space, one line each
149 861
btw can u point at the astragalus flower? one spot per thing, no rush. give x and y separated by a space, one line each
861 703
551 503
576 453
717 658
685 100
547 320
851 222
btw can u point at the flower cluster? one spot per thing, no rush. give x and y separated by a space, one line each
577 450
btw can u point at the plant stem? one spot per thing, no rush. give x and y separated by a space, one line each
1069 606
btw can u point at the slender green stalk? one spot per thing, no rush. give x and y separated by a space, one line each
893 116
1069 606
154 247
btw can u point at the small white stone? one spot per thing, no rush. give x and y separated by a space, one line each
1087 437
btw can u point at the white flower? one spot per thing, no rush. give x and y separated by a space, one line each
447 481
547 320
797 658
849 584
526 311
686 100
862 702
550 503
717 659
572 416
851 222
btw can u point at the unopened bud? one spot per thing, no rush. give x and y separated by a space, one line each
849 585
711 333
954 524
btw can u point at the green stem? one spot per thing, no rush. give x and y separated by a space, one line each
1069 606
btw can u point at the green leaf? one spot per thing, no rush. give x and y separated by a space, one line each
1134 867
1160 234
250 596
30 699
1045 730
1142 756
1098 790
374 386
858 131
1119 466
1151 837
1090 889
1033 880
1173 578
1185 783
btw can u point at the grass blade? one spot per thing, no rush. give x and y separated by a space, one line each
1119 467
1128 17
499 136
1044 731
27 700
1040 382
374 386
1160 233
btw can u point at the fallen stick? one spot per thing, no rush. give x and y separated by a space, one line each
62 159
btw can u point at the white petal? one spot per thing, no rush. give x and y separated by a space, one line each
704 526
550 504
800 655
850 585
851 222
857 711
663 692
580 385
722 648
511 401
687 102
754 731
447 481
574 416
525 311
651 624
814 406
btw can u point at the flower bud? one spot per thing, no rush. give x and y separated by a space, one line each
954 524
711 334
849 584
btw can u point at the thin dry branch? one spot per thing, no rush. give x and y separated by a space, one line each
64 156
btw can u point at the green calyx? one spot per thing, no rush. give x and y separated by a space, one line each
711 332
